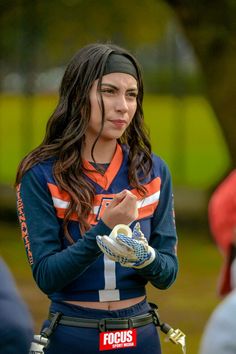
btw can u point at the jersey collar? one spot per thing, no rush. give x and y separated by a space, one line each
105 180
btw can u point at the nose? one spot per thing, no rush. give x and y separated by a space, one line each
121 104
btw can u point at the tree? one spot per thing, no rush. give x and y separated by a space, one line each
58 30
211 29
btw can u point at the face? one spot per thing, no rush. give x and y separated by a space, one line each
119 93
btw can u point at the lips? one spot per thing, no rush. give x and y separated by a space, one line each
118 122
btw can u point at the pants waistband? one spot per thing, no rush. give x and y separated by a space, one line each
106 324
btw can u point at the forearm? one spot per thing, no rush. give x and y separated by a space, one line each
53 264
162 271
54 271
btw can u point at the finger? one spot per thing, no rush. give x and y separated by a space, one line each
110 246
129 197
122 250
121 229
118 198
123 197
129 203
105 250
127 264
126 241
110 249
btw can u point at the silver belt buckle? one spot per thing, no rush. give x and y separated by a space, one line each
38 344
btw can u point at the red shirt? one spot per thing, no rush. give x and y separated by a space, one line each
222 221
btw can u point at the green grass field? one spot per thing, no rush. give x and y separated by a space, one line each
183 131
186 305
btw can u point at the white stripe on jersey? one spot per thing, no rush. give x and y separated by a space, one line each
59 203
62 204
153 198
109 293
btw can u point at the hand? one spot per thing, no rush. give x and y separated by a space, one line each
122 209
127 248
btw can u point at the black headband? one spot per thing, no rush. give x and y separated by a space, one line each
118 63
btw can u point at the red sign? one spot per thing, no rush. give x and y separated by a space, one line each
117 339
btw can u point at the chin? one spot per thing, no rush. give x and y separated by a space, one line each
113 136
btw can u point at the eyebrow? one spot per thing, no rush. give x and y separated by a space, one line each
116 88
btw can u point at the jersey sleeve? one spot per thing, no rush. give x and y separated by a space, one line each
53 267
163 270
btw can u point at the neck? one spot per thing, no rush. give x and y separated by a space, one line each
103 151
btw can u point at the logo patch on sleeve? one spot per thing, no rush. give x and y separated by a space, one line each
117 339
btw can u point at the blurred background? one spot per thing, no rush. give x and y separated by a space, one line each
187 52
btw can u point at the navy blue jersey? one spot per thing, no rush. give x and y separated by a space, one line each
80 271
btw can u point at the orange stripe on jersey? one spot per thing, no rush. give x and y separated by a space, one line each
58 193
151 188
92 219
147 211
61 214
146 205
61 200
105 180
143 212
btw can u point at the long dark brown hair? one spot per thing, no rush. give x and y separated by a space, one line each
66 128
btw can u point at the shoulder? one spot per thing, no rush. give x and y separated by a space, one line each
45 166
36 180
160 167
42 171
157 160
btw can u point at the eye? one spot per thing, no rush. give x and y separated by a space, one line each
108 91
132 94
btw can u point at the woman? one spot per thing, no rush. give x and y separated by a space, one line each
93 171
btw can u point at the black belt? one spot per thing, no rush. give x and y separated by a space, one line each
106 324
103 324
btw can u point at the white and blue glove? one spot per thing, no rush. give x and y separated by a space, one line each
130 249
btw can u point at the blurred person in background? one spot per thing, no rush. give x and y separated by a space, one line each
16 327
219 334
222 222
95 171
